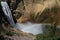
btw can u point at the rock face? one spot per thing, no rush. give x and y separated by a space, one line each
14 34
37 8
19 38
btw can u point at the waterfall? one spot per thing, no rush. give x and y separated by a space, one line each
27 27
7 13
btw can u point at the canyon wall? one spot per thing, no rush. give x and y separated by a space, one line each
39 11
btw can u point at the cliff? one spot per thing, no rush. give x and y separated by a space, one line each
39 11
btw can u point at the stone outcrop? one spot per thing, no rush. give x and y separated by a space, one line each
25 8
37 8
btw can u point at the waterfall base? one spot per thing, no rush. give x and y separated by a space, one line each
30 28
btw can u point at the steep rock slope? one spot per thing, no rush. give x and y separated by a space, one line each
37 8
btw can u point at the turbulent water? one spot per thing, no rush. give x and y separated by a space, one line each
30 28
27 27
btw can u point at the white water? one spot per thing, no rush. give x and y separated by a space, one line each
7 13
27 27
30 28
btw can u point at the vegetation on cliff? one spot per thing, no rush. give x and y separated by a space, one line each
51 33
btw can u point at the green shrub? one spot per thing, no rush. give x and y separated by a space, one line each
49 35
10 33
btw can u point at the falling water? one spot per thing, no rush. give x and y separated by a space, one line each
7 13
27 27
